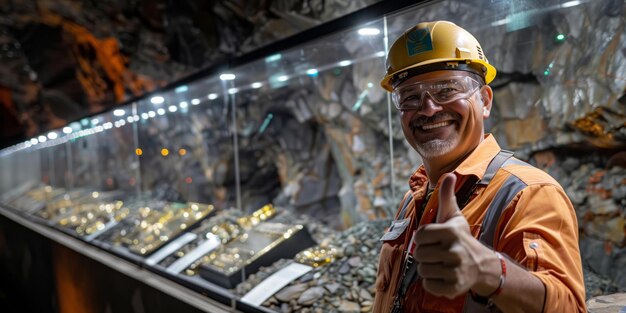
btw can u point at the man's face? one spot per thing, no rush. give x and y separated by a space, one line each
435 126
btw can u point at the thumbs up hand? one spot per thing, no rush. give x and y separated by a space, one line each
450 260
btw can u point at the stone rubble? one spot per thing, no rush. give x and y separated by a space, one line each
345 285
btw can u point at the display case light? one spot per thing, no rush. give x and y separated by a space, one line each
212 96
160 111
151 114
370 85
273 58
95 121
257 85
195 101
233 91
570 4
380 54
369 31
52 135
130 119
501 22
67 130
183 104
145 116
172 108
283 78
136 118
312 72
42 139
182 88
107 125
122 122
119 112
157 100
227 76
34 141
345 63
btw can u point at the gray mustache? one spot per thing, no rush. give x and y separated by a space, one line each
442 116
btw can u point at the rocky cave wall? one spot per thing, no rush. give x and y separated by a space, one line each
61 60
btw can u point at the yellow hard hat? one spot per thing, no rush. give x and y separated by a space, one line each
431 46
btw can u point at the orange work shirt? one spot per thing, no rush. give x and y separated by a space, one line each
538 229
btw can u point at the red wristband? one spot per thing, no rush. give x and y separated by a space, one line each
486 299
502 276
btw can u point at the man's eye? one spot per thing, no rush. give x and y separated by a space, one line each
411 98
447 90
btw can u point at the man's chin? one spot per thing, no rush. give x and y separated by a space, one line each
434 148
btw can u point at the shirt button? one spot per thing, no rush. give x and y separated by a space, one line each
534 245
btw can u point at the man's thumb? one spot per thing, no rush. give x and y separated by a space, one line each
447 200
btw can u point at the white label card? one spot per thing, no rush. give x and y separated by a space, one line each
274 283
170 248
99 232
209 245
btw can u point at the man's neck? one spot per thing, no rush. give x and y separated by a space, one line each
438 166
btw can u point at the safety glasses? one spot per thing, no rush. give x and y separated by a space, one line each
441 90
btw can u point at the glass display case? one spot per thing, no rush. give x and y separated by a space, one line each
182 180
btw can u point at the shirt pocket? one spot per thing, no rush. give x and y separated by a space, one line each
391 253
533 245
389 264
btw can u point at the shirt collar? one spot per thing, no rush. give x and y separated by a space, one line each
475 164
478 161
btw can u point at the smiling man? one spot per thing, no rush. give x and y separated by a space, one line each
479 230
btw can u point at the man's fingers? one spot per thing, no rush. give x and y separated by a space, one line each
434 234
437 271
441 288
435 254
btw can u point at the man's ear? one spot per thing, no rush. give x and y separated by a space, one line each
486 97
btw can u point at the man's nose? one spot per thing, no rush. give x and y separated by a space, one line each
428 106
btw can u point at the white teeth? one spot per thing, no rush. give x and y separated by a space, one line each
436 125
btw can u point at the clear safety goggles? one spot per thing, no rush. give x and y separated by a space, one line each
441 90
